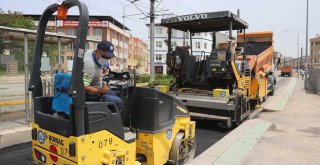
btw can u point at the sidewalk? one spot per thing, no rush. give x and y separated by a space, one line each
294 137
14 132
12 79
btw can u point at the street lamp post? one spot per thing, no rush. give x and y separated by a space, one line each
298 44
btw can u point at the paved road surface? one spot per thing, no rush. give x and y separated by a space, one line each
207 132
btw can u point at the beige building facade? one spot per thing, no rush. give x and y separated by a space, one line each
314 58
126 46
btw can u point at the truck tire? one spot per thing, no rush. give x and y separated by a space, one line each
271 93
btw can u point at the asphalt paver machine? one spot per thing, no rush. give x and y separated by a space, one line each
153 128
226 83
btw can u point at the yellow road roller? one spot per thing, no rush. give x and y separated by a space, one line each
150 128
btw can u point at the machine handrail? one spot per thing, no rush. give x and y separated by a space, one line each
76 88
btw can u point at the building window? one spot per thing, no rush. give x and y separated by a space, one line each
186 43
158 69
71 46
71 32
173 33
316 43
198 45
69 58
97 32
159 44
159 30
158 57
60 31
205 45
95 45
316 52
186 34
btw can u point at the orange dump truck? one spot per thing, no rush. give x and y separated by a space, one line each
287 70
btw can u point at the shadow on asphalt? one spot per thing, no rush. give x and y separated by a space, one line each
208 133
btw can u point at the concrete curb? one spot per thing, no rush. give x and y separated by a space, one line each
15 136
279 102
235 146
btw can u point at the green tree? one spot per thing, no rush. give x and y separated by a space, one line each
15 19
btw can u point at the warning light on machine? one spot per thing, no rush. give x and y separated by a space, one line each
62 12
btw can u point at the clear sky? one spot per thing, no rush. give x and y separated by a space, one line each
261 15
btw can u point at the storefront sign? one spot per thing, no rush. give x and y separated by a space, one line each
61 23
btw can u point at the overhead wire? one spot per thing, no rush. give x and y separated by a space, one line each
102 10
187 7
158 5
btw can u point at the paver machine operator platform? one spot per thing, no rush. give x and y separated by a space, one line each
227 83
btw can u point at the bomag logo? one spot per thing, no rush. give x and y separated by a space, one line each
56 140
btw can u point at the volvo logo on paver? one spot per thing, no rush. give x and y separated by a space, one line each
42 137
192 17
56 140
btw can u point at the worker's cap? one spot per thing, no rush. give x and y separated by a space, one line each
107 48
106 65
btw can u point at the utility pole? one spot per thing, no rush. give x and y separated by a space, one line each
301 58
306 62
298 50
152 15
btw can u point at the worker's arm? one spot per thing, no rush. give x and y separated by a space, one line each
92 89
87 79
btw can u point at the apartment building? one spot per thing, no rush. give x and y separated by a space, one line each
201 42
99 28
138 55
314 58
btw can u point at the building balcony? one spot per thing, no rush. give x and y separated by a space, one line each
114 41
125 45
317 47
